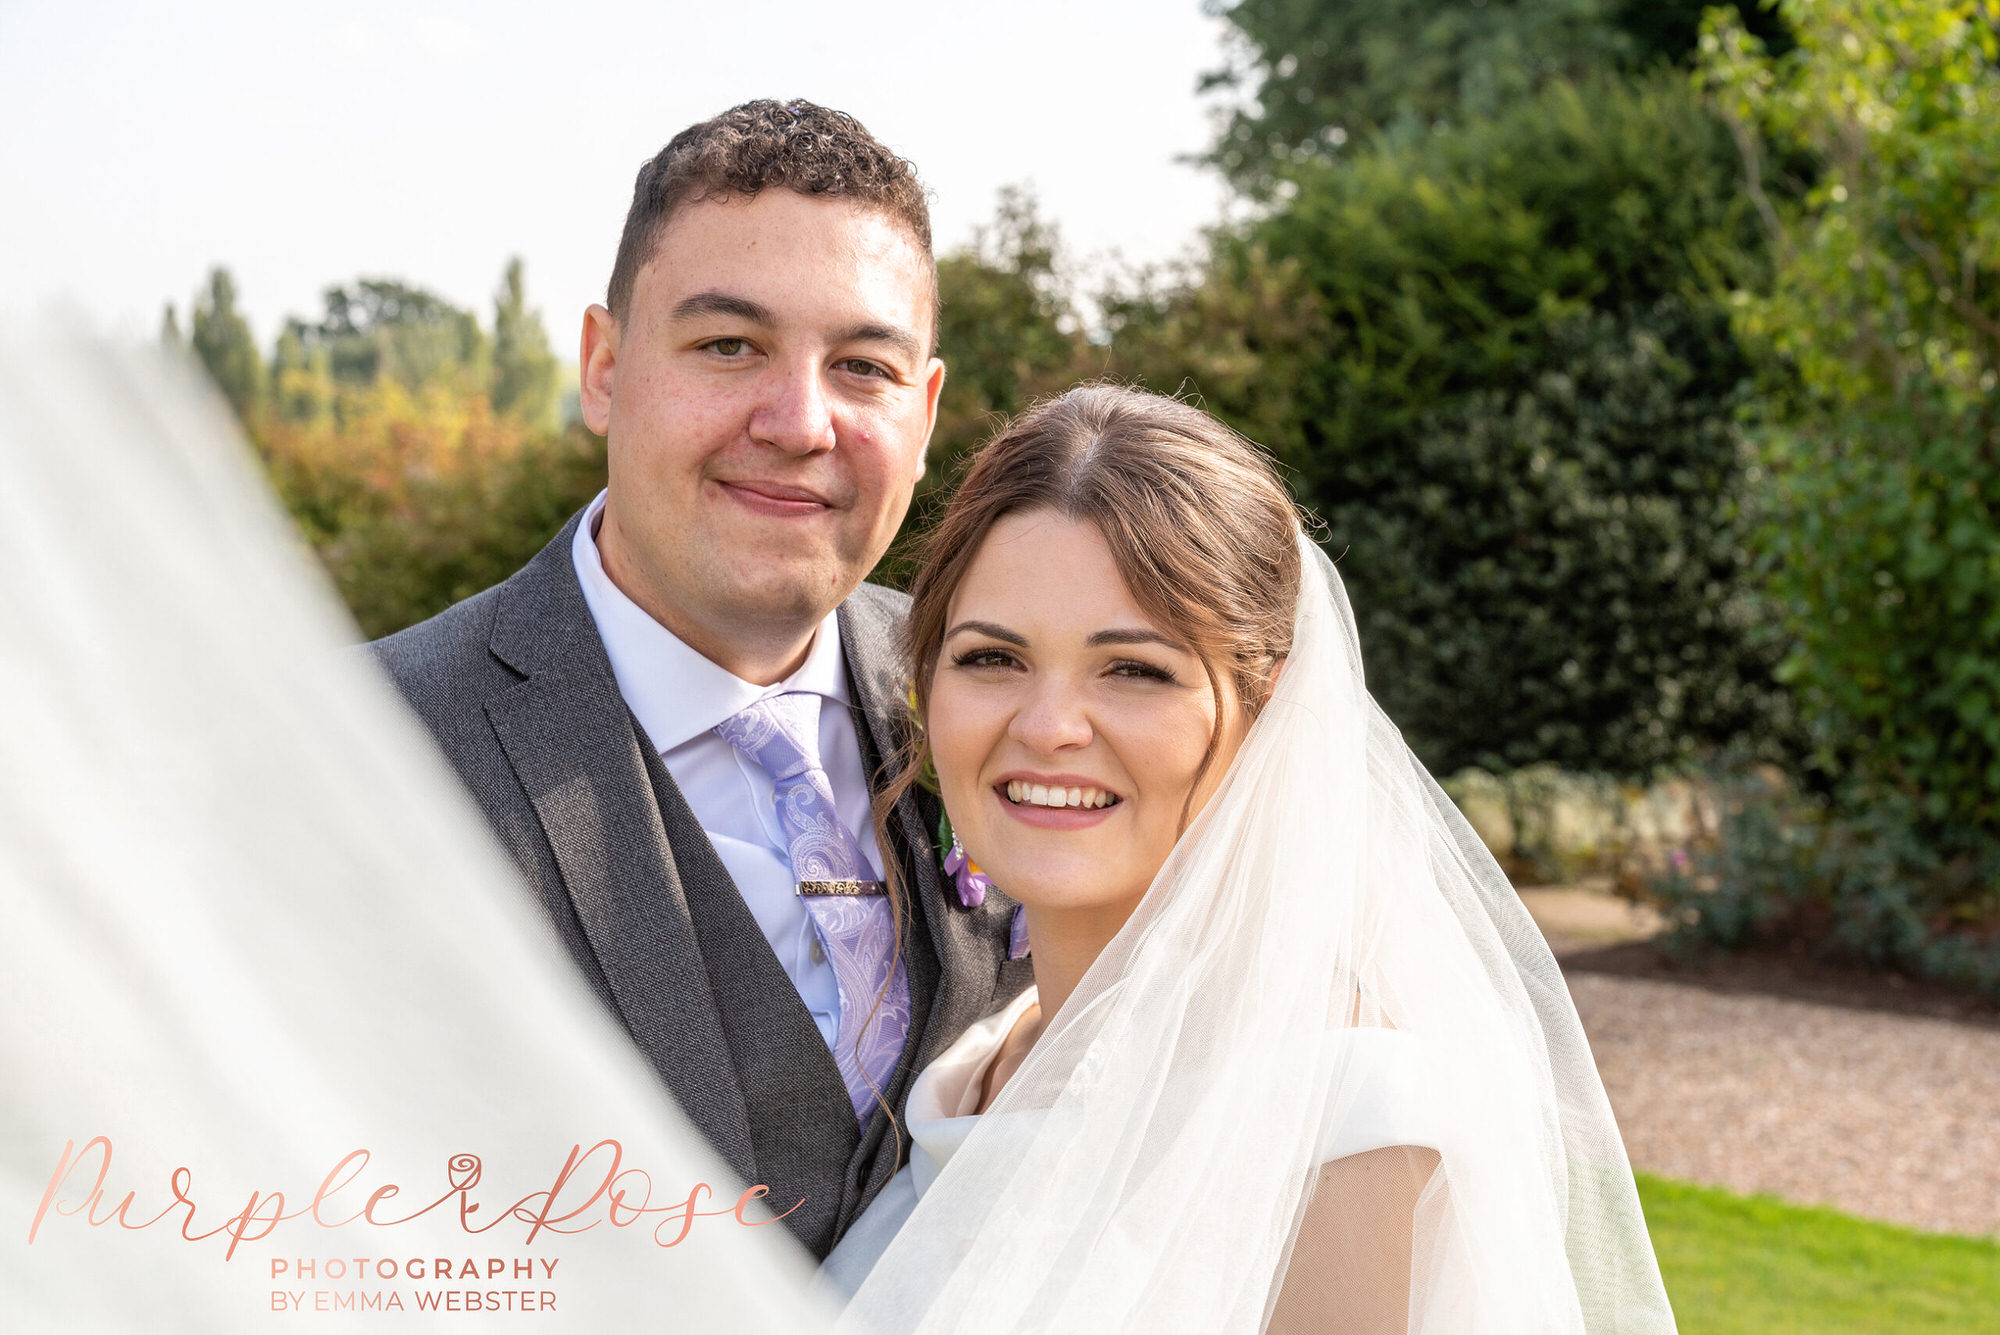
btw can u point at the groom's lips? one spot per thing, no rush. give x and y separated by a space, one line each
778 499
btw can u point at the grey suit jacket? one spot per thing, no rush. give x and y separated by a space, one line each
515 685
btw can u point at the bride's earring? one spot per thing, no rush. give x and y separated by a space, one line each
972 887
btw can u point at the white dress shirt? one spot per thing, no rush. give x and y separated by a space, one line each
678 696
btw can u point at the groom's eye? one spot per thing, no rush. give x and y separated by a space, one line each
859 366
726 347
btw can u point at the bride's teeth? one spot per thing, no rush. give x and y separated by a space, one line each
1022 792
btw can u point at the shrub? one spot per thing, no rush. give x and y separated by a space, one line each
1859 882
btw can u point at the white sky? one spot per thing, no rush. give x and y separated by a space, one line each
305 145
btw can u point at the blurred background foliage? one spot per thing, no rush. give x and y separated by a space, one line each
1636 361
424 456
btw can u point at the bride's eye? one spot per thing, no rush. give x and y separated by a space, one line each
1132 667
984 658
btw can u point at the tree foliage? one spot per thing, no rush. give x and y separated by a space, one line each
415 500
381 329
1316 73
1308 76
1007 326
221 339
524 369
1883 525
1496 362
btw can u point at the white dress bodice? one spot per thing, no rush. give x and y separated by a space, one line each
1395 1103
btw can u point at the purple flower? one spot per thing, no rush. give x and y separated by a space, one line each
972 882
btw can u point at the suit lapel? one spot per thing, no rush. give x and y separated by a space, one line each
577 753
953 983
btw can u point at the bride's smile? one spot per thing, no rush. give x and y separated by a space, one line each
1074 735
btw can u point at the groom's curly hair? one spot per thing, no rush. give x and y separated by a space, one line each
793 145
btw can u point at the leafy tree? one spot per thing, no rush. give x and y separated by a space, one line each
170 329
383 329
1311 75
1315 73
222 340
1007 325
1670 30
524 370
1884 508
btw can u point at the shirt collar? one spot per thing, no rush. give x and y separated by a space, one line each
674 692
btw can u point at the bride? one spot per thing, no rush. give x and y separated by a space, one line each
1295 1059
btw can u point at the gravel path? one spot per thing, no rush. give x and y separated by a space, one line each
1886 1116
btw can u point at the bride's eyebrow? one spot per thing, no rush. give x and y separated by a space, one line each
1134 636
988 628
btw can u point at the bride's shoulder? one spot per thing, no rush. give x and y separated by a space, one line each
956 1084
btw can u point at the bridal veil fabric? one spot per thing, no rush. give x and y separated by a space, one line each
249 923
1329 946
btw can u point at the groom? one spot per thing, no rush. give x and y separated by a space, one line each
674 715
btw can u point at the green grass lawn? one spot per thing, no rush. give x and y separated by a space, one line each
1739 1265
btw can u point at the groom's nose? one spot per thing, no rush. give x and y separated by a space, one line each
794 411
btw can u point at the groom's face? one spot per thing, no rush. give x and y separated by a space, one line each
767 397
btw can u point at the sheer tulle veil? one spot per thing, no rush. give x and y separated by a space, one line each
249 922
1153 1165
252 922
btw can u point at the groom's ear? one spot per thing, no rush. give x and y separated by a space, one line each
596 363
933 388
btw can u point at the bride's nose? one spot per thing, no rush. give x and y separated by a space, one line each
1052 718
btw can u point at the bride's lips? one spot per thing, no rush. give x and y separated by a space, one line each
1054 818
777 499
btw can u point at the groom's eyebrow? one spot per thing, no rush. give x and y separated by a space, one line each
988 628
902 340
723 303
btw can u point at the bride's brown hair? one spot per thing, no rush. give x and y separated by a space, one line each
1199 526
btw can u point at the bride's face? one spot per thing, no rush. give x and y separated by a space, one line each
1066 725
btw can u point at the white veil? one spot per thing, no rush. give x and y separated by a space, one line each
1329 967
249 922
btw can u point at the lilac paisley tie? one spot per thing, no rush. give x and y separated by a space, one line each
847 905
